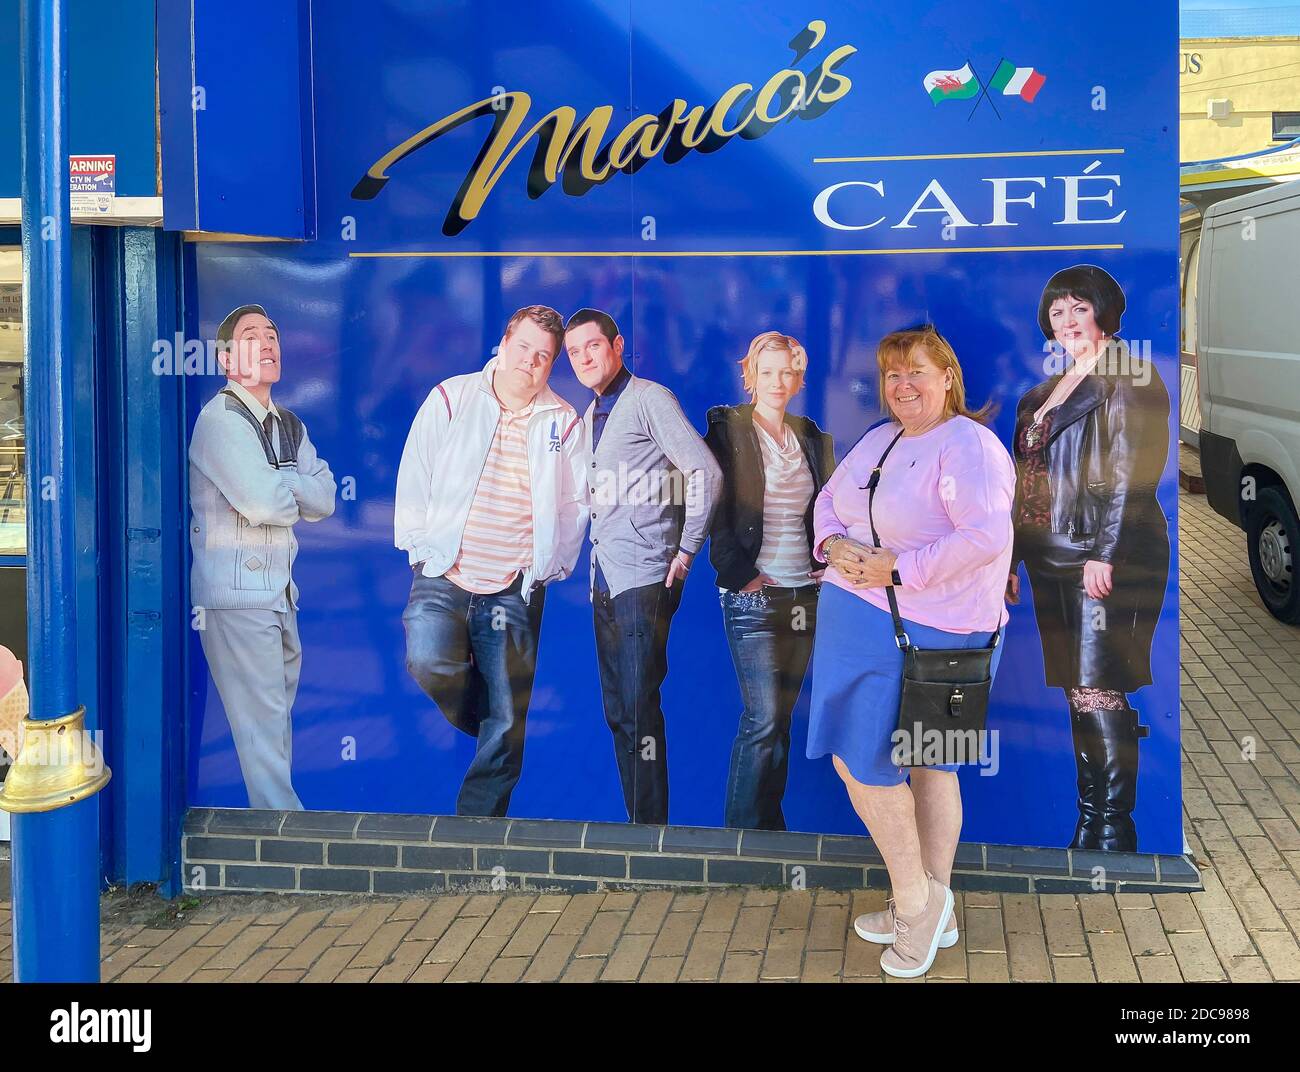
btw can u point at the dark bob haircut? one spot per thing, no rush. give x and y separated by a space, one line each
1085 282
594 316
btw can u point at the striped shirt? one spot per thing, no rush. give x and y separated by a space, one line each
787 491
498 539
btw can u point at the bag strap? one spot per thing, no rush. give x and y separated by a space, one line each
900 637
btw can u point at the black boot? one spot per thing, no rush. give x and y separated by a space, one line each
1113 741
1085 752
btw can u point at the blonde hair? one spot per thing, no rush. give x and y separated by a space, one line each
772 340
898 350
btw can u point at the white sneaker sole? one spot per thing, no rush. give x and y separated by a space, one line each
912 973
947 939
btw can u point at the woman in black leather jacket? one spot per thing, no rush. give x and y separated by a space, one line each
773 465
1090 446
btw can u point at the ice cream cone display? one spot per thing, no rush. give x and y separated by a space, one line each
13 701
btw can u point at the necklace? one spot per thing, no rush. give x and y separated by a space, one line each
1060 393
1034 433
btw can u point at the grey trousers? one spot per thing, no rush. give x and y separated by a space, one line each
255 658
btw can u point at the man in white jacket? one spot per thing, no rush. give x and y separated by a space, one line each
253 474
491 506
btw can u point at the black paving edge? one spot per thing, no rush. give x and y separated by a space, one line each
347 852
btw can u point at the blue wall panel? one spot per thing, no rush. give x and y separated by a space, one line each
235 111
110 90
141 572
387 302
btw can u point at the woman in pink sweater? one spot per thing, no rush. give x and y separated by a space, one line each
943 513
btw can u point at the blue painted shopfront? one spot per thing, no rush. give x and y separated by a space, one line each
125 292
693 258
379 297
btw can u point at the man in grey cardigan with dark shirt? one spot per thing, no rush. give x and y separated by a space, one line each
653 487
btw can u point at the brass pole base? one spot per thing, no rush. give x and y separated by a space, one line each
57 765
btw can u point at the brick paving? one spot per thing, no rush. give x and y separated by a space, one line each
1241 745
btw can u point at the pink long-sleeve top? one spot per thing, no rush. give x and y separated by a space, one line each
943 505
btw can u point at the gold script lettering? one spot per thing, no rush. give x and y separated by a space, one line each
573 151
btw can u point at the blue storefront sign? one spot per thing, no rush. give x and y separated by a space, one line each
703 174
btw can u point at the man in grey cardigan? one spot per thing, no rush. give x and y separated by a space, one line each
653 487
254 473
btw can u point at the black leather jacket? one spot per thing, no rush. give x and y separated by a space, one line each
736 536
1107 449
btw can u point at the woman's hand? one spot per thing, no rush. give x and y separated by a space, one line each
1013 589
878 570
758 582
1098 578
848 556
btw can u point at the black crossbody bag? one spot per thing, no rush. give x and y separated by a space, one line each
945 700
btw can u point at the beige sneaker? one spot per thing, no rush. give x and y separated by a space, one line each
878 927
916 938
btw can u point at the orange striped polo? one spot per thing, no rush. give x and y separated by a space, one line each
498 539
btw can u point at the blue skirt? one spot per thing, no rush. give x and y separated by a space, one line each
857 682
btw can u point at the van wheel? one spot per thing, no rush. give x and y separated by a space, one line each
1273 540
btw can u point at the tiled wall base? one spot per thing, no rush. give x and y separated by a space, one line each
345 852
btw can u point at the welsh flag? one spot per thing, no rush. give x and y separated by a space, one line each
951 85
1013 81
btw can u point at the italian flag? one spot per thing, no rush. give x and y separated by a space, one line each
1013 81
951 85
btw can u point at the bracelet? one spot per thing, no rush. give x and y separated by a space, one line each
830 542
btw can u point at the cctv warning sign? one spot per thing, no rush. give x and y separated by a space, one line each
92 183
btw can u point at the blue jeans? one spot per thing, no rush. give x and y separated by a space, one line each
770 633
475 657
632 652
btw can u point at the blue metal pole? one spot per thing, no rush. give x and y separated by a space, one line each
55 853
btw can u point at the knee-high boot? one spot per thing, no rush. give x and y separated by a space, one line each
1085 754
1112 741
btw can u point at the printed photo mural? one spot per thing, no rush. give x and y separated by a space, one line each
662 382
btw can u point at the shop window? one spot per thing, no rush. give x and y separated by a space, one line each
1286 126
13 469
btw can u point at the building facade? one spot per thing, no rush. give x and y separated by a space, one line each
1239 130
1237 95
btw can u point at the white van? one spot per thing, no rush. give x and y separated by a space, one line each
1248 361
